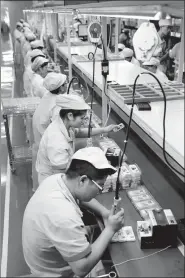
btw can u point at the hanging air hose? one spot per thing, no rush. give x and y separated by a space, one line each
70 83
128 130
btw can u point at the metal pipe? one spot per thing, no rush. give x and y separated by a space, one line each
69 48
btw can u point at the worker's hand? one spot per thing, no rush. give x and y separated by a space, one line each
115 221
113 128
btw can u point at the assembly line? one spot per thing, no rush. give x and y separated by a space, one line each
95 143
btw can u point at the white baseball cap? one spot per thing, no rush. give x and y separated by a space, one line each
36 52
165 22
121 46
36 43
25 24
39 61
54 80
95 156
29 36
126 52
19 24
71 101
152 62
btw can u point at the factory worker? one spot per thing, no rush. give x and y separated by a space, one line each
17 34
30 37
28 73
58 141
26 24
46 112
75 25
54 237
21 20
124 39
121 46
35 44
161 52
152 65
40 69
55 83
127 54
174 53
38 44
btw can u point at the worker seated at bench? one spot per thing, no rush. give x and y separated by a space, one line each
54 238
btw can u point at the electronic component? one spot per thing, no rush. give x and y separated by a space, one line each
159 231
143 106
124 234
119 127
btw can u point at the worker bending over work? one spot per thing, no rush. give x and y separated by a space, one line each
153 66
128 55
58 141
28 72
40 69
161 52
46 111
17 35
54 238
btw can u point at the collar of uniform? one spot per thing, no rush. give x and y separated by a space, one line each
69 136
68 194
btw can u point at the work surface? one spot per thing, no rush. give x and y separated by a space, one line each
168 263
150 122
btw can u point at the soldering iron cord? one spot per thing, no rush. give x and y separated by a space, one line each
164 125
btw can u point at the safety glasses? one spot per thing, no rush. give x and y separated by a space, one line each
99 187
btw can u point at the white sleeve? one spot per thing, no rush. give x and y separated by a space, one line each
58 152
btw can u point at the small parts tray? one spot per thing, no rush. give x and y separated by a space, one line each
20 106
149 92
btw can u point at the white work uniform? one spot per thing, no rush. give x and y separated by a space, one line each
45 112
55 150
27 81
159 52
53 232
43 115
27 58
26 47
38 89
17 46
135 62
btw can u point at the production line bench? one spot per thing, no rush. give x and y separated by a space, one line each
146 124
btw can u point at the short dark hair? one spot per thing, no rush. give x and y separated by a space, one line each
64 112
82 167
33 59
56 91
44 64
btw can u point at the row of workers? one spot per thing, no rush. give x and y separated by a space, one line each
55 240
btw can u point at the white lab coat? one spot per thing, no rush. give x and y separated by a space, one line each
38 89
55 150
27 58
27 81
46 112
26 47
17 46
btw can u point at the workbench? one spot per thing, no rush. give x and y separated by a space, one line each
168 263
146 124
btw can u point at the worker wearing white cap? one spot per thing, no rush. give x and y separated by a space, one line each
17 34
53 224
153 66
58 141
28 72
37 44
161 52
21 20
40 69
127 54
26 24
26 47
45 113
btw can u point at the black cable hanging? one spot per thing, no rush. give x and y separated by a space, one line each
92 98
70 83
128 131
